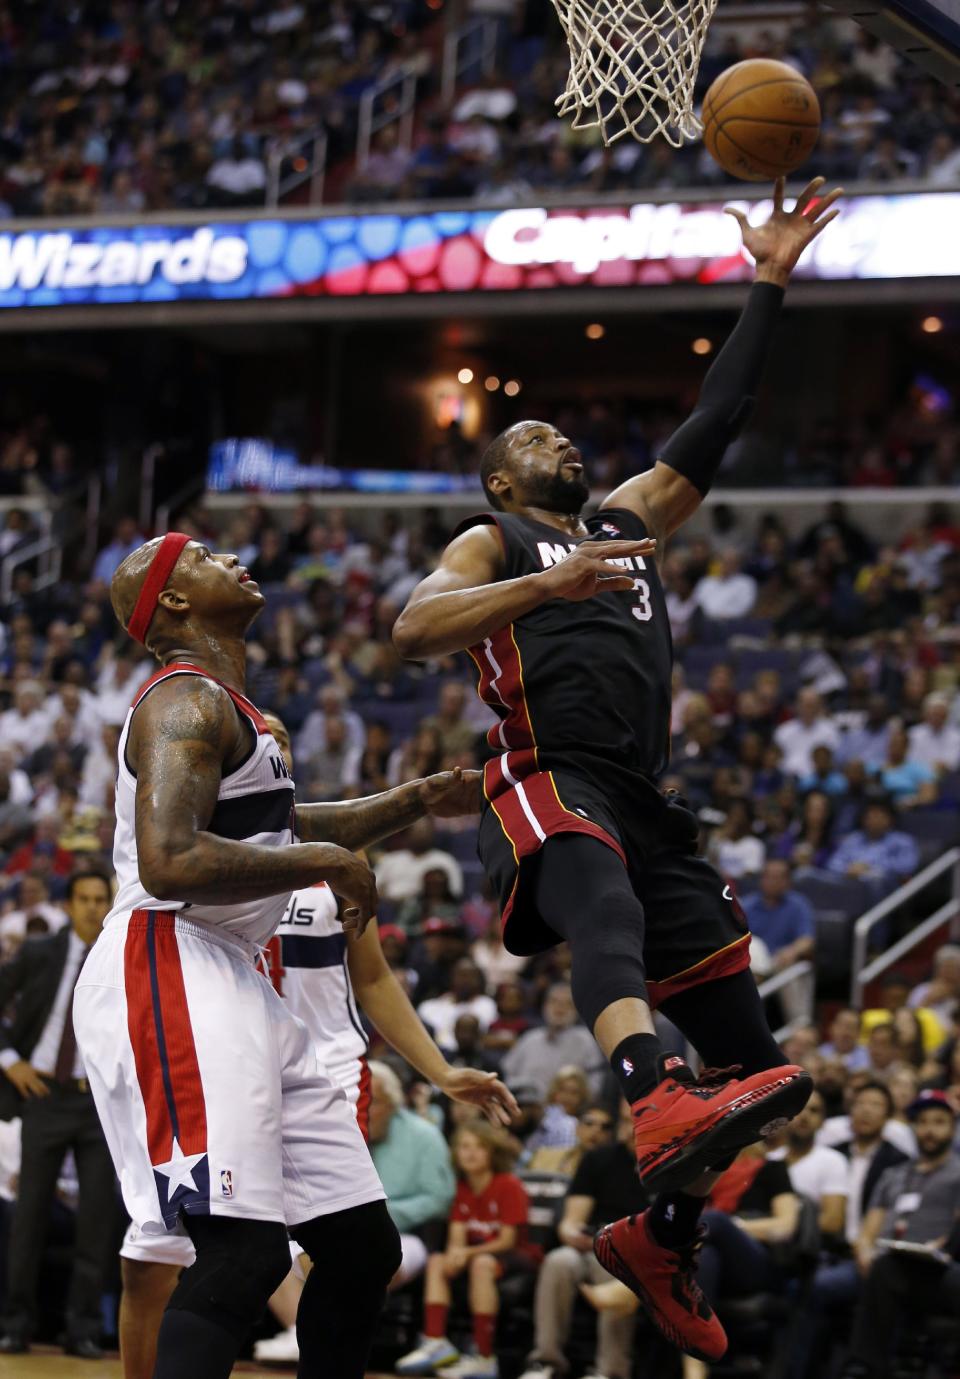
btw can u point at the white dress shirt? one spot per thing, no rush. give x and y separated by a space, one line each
44 1057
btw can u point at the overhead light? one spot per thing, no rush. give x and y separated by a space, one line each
465 375
492 383
932 325
702 345
511 387
595 331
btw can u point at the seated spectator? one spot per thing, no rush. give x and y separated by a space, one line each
435 901
941 994
844 1042
488 952
907 782
594 1127
118 683
915 1204
25 726
331 704
334 770
465 997
808 841
935 742
947 1078
15 820
836 1281
468 1046
538 1055
729 593
811 728
238 177
512 1018
866 1116
866 740
486 1241
567 1094
894 993
882 1048
412 1159
783 919
126 539
442 944
400 872
824 777
877 850
604 1188
734 848
816 1171
34 916
98 777
451 721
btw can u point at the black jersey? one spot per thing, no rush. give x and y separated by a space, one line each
584 685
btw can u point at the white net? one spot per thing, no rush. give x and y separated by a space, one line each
633 65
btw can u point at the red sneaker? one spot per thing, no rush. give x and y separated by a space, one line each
686 1124
665 1281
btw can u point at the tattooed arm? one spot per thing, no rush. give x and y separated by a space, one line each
181 739
359 823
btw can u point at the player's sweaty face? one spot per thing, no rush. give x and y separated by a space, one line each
547 470
220 582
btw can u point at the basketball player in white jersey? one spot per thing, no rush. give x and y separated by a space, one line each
320 975
217 1117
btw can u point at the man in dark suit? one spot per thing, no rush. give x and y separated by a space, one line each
44 1084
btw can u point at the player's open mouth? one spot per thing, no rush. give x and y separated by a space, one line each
244 577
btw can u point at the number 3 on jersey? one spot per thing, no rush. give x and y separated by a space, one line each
642 610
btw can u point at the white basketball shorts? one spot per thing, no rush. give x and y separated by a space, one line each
207 1087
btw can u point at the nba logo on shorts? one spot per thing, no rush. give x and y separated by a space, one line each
226 1182
609 529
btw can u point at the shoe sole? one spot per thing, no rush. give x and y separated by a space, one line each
436 1367
612 1260
755 1120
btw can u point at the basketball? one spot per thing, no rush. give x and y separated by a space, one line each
761 119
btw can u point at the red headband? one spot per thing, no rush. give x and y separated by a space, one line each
168 553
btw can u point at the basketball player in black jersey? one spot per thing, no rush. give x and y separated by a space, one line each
566 622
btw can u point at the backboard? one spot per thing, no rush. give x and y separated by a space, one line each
927 31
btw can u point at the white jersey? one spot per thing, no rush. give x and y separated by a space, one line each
255 804
308 967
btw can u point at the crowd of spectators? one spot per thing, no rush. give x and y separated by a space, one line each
816 732
121 108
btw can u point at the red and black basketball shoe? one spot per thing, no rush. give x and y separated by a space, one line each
687 1124
665 1281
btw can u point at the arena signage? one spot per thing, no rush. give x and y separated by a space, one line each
516 249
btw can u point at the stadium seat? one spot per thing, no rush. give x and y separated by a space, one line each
825 891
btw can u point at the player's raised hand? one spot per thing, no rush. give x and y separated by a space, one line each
777 244
451 794
483 1090
588 570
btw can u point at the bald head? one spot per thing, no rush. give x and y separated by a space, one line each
128 580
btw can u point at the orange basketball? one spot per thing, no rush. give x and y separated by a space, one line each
761 119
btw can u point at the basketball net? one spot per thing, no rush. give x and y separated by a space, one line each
633 65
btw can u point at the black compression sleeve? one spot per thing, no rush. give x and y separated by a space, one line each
726 398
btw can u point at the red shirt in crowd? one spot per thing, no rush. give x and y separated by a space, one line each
502 1203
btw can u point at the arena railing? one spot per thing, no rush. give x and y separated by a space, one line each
309 149
799 972
401 88
949 913
472 45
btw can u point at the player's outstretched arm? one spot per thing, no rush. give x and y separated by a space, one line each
179 740
464 600
356 824
385 1002
667 495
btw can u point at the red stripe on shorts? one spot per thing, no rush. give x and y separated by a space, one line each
178 1034
141 1027
364 1099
